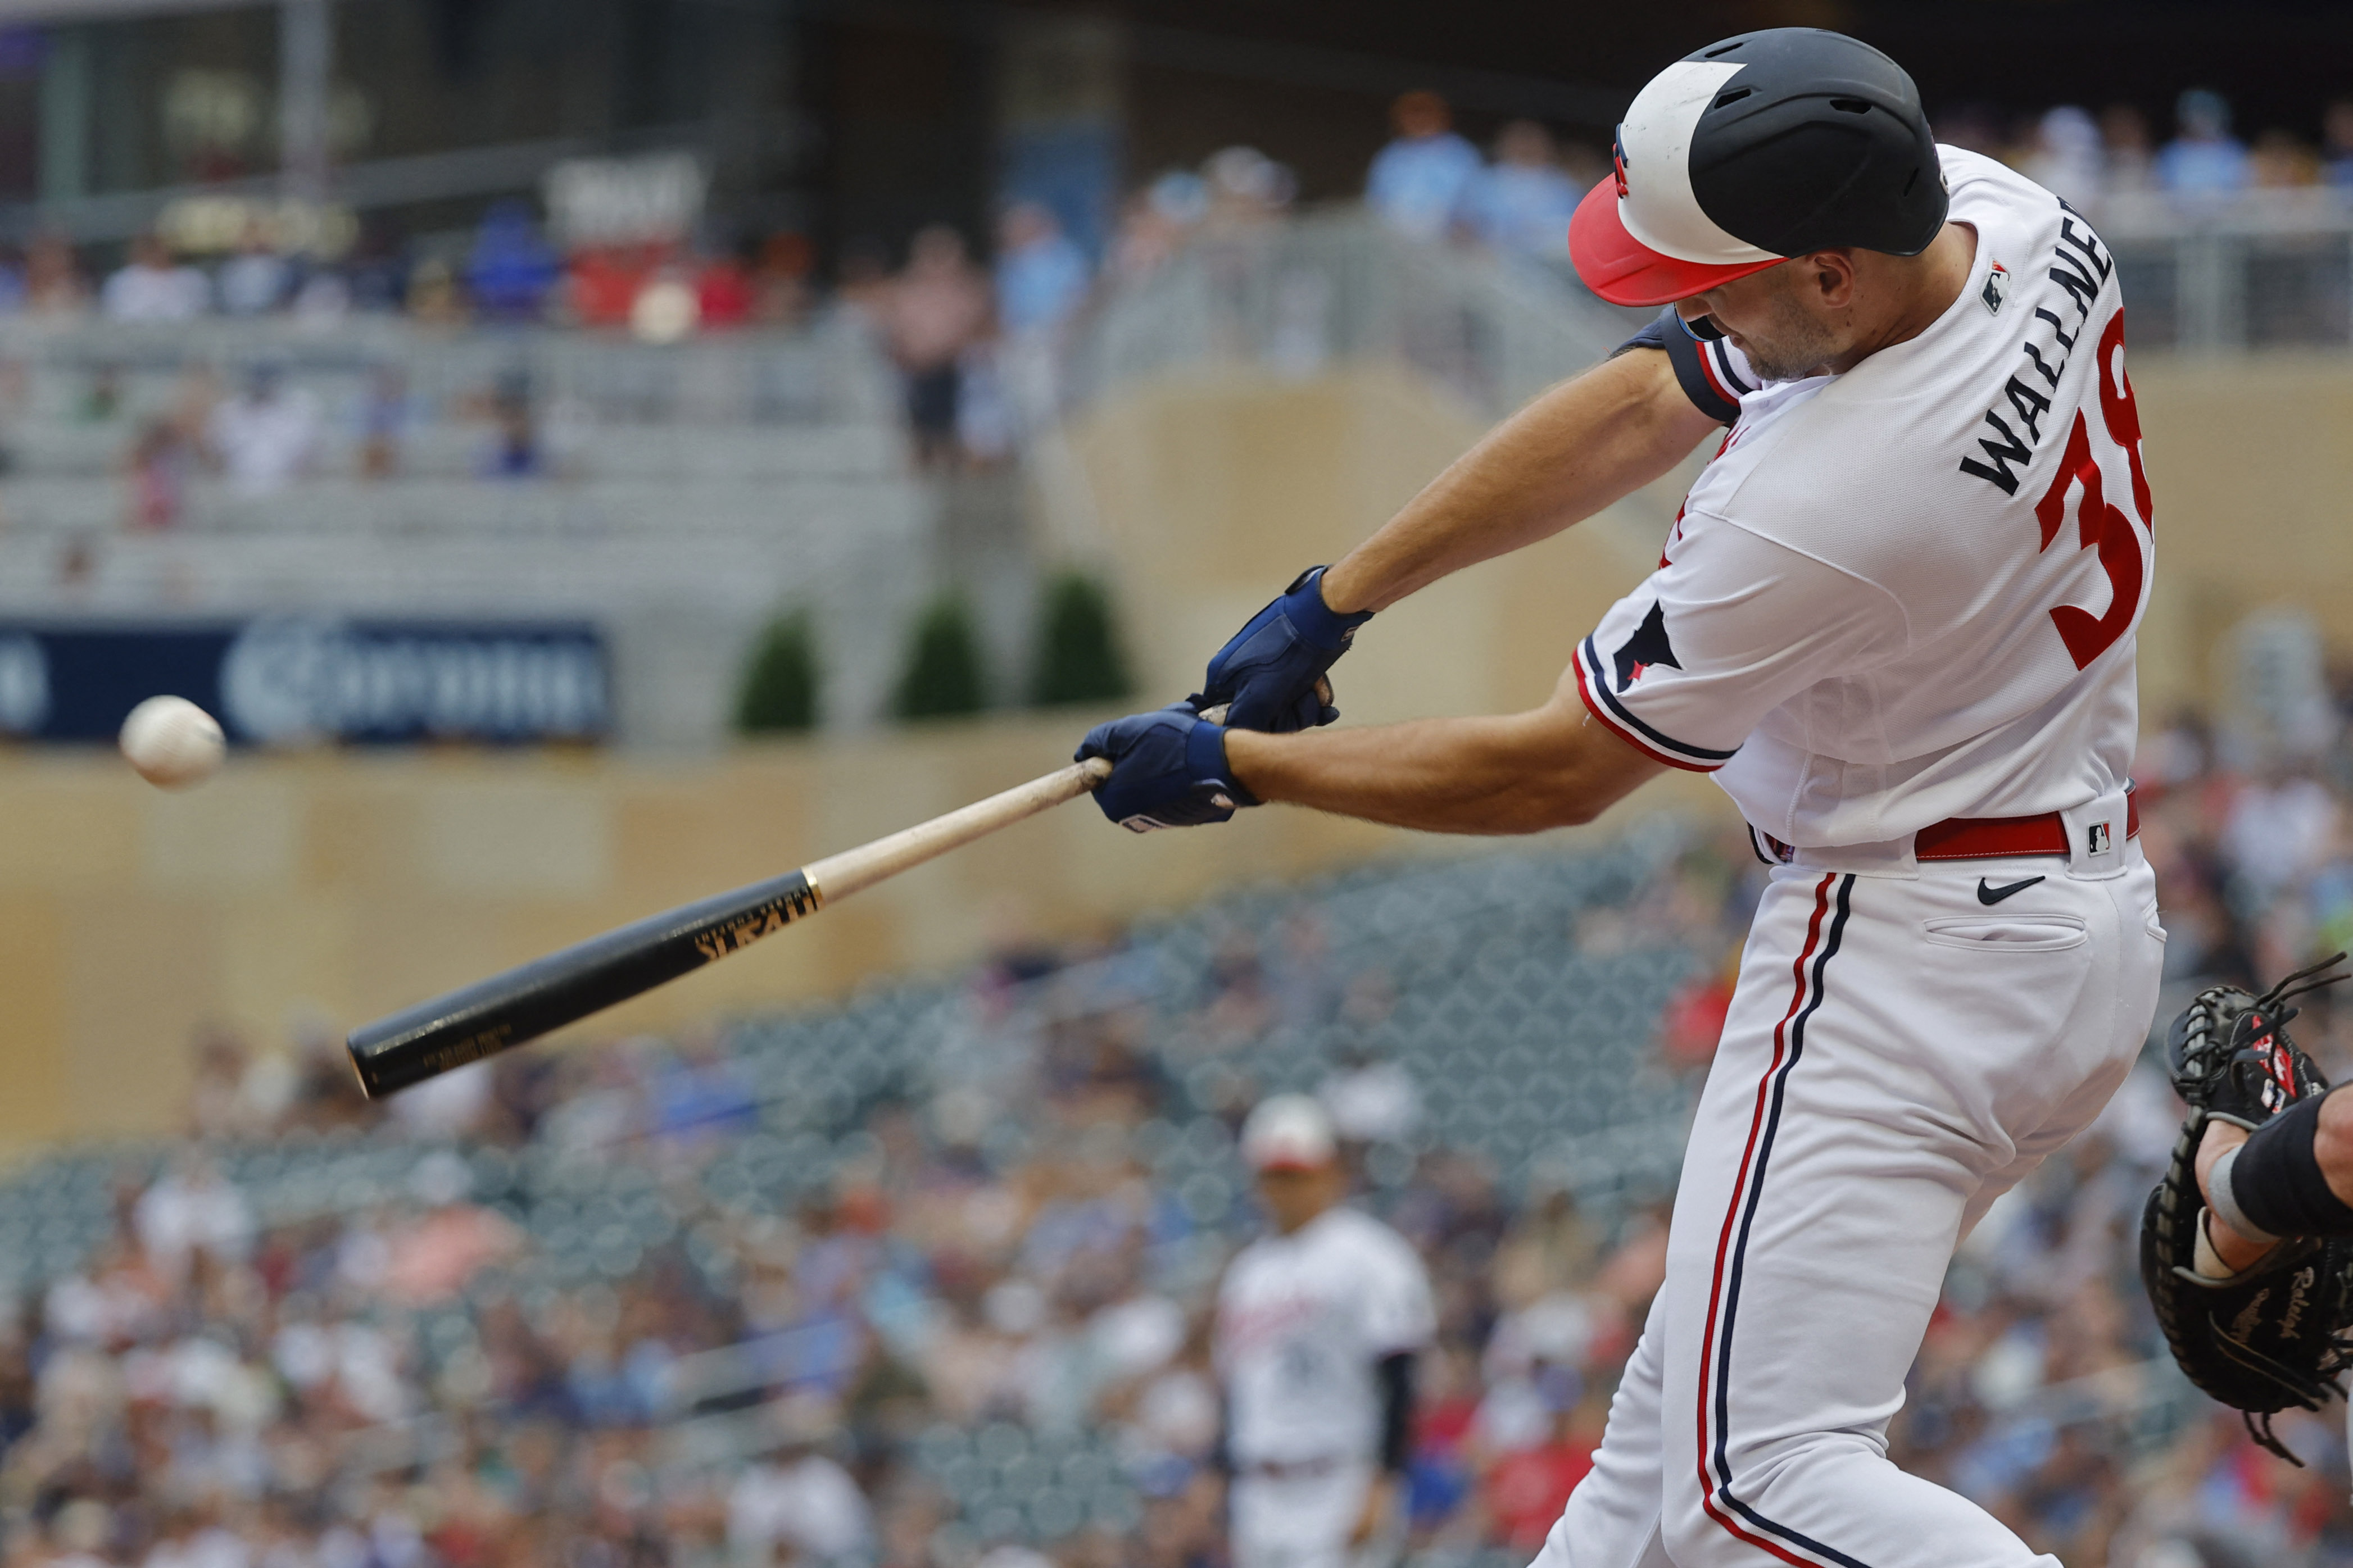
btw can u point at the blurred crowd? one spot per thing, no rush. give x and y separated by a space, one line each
999 1260
2092 158
975 329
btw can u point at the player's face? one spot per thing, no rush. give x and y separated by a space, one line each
1293 1196
1782 318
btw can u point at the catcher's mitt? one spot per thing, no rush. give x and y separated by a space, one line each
2275 1335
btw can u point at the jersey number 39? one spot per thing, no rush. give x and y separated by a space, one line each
2099 522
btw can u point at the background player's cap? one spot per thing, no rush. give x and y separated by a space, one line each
1287 1132
1759 148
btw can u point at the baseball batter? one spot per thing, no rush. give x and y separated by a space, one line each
1318 1325
1896 622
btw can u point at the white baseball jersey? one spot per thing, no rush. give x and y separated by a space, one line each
1908 592
1897 595
1302 1321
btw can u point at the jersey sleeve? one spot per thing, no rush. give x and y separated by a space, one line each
1397 1313
1712 372
1730 626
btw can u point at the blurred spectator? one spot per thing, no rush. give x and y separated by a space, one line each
254 281
325 298
935 310
723 294
2337 143
54 285
265 434
193 1210
509 270
433 298
11 281
602 284
162 461
2068 159
385 414
2128 164
2280 160
669 305
1527 1488
802 1507
1041 276
514 452
1419 181
1245 188
151 286
781 280
2203 159
1521 205
1155 223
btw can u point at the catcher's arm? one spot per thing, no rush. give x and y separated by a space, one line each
2245 1250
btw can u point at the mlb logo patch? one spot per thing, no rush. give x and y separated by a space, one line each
2096 839
1996 289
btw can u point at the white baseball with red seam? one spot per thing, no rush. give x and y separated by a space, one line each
173 743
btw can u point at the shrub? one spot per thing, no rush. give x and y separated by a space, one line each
943 673
1079 657
779 694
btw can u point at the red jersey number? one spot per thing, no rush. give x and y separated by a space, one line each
2099 524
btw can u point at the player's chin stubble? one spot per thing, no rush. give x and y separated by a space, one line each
1792 344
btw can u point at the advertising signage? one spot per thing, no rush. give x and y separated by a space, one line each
305 680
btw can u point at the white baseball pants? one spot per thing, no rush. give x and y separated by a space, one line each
1304 1522
1899 1053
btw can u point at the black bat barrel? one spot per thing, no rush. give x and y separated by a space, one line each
525 1003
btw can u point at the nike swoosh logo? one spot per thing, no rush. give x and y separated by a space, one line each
1989 894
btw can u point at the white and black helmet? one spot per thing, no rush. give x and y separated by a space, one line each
1754 149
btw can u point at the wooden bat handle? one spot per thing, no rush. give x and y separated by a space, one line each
836 877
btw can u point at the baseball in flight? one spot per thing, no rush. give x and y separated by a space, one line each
173 743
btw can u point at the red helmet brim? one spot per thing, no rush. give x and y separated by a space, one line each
1625 271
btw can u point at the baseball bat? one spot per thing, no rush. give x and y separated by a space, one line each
526 1002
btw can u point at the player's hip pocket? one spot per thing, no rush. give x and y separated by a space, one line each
2006 933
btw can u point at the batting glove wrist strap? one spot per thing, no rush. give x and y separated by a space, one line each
1168 770
1272 673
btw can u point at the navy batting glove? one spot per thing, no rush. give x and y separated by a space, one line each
1168 770
1272 672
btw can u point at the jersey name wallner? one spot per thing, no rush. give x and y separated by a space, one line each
2080 267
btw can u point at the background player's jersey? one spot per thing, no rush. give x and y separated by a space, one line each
1302 1321
1909 591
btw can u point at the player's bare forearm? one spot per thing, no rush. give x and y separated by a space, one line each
1587 442
1518 773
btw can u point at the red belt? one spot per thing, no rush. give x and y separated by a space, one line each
1989 837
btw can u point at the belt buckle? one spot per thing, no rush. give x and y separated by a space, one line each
2095 837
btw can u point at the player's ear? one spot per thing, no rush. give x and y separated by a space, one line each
1829 275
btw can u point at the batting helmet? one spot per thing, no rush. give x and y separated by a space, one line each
1752 150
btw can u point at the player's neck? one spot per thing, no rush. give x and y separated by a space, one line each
1925 288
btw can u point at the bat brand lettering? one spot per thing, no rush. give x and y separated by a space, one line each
744 929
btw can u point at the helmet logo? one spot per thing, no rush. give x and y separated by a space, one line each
1618 159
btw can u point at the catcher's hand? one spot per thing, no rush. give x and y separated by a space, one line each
2272 1335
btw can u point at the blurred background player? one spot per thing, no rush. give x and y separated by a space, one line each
1318 1325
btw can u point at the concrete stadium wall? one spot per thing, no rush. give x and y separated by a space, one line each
1205 492
339 887
334 887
